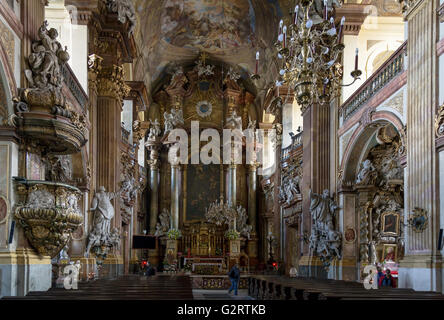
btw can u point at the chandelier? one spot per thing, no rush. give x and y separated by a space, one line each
220 213
225 213
309 53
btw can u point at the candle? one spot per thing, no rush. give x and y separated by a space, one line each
296 10
340 29
356 59
285 36
257 61
281 23
325 9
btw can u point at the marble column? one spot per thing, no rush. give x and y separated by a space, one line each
154 177
111 91
252 189
421 267
316 172
252 214
175 194
231 184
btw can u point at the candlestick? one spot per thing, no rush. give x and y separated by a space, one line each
325 9
257 61
285 36
296 10
356 59
340 29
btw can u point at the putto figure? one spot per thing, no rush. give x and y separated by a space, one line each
46 59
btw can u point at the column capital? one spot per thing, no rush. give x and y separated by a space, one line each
111 82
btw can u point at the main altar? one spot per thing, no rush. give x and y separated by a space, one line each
205 214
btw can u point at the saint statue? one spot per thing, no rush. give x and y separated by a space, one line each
104 212
322 209
325 241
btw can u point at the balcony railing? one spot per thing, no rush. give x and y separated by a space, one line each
296 142
74 86
125 135
385 73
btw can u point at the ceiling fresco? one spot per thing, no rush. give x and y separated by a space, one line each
230 31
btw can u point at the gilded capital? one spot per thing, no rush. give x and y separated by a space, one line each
111 82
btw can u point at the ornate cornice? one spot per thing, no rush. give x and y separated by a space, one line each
354 14
111 83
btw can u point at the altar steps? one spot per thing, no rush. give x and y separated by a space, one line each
129 287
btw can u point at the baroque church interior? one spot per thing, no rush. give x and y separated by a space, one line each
114 158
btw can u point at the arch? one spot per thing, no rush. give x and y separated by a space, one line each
384 46
361 137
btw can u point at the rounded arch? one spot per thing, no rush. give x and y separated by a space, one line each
359 142
379 53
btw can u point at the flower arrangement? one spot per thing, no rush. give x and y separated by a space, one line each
232 234
174 234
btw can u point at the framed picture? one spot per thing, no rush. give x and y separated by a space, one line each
390 223
390 252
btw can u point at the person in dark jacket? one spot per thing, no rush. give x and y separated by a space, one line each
150 271
388 281
234 276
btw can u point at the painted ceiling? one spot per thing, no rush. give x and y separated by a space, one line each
229 31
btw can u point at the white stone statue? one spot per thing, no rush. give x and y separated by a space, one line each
322 209
234 121
172 119
289 188
45 60
241 225
155 130
367 174
325 242
125 11
103 213
165 223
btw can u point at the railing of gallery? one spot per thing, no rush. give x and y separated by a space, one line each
385 73
125 135
74 86
296 142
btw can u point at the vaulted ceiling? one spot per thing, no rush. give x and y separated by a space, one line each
229 31
175 32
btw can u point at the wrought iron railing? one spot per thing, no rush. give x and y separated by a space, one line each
385 73
296 142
